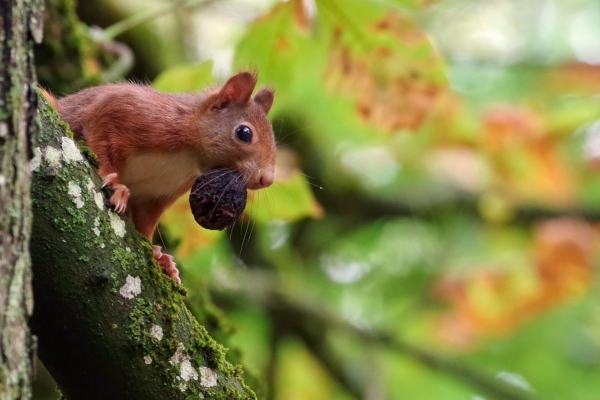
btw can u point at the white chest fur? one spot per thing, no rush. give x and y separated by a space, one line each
159 175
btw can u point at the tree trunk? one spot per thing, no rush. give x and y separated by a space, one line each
19 22
111 324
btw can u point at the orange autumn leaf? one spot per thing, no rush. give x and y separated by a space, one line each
305 12
572 78
527 162
507 126
495 303
389 89
564 250
485 303
401 28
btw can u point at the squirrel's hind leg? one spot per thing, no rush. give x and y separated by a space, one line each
145 215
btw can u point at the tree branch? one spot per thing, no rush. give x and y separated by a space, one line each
131 22
315 315
110 324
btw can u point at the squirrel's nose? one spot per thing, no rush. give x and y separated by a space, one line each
266 179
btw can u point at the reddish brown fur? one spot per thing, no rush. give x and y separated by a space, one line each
125 122
49 98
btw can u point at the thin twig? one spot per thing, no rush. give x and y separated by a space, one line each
148 15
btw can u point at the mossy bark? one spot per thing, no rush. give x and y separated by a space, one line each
111 324
18 23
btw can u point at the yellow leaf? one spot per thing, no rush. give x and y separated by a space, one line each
182 227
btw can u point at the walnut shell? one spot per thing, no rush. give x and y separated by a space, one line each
218 198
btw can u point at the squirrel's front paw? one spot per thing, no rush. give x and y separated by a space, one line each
120 197
167 264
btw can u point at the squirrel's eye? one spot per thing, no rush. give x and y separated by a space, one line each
244 133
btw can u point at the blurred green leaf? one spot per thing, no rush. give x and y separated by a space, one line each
185 78
289 199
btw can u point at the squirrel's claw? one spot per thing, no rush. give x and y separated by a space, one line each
109 179
167 264
121 194
120 198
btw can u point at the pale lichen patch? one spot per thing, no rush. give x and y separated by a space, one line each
186 371
131 288
117 224
208 377
157 332
36 161
70 151
2 181
75 191
53 157
183 386
97 226
179 355
148 360
98 198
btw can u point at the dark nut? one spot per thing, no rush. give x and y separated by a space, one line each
218 199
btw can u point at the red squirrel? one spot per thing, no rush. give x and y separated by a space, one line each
152 146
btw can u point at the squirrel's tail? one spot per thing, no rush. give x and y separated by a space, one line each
49 98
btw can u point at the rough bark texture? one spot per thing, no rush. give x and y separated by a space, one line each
111 324
19 23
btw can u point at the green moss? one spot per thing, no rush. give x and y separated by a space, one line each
123 257
142 317
89 155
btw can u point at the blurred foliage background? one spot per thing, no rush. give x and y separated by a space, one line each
433 230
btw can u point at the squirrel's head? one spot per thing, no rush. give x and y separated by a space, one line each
236 129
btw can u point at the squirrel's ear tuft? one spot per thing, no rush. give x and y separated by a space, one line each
237 89
264 97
